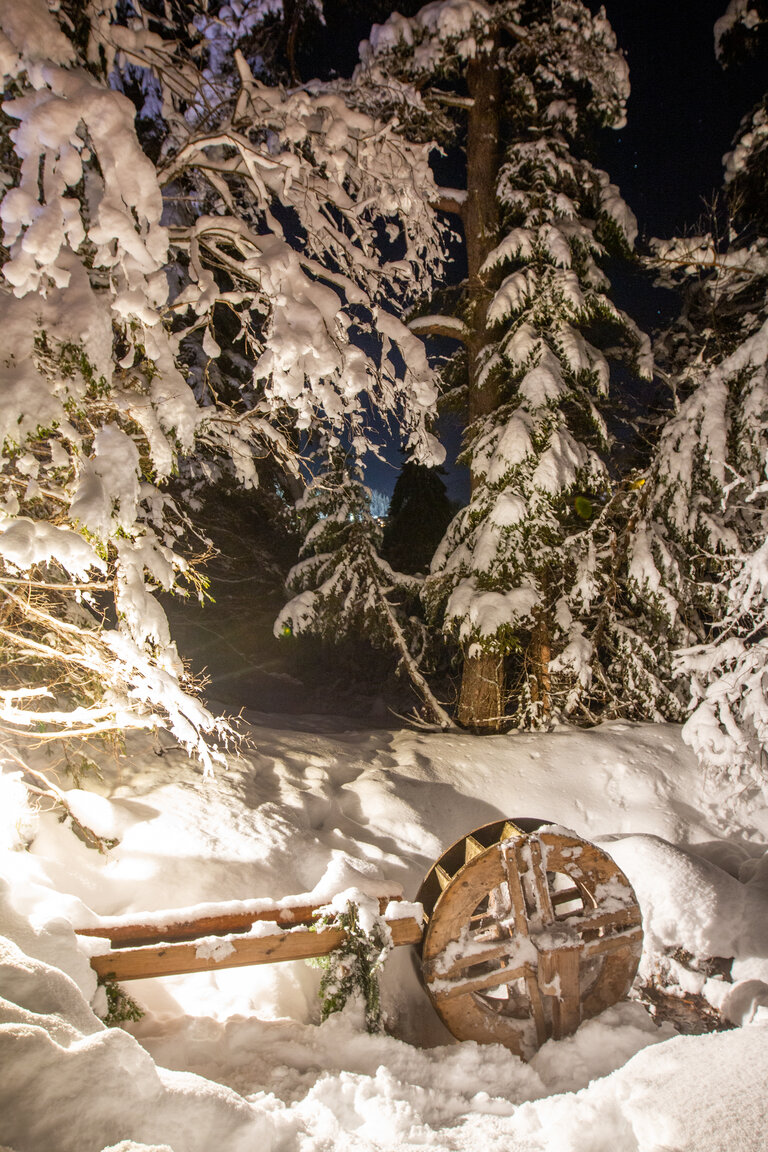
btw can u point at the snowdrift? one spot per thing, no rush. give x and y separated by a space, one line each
236 1058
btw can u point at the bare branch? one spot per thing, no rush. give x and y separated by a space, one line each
450 99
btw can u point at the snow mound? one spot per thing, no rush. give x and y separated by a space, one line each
237 1059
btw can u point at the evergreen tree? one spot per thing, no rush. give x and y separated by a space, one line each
520 570
418 516
699 547
342 586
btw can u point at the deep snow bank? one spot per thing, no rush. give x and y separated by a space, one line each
316 811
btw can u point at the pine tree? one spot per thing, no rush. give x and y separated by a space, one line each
519 571
419 513
342 586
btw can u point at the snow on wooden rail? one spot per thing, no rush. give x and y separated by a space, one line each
173 943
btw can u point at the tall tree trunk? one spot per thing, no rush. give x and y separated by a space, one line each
482 683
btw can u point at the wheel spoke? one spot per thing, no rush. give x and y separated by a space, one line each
442 989
606 944
593 920
565 896
537 1007
506 952
545 914
559 979
510 853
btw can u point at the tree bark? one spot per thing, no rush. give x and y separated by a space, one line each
481 217
540 653
481 703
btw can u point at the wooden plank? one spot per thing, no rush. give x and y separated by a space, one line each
608 944
472 848
216 924
537 1008
592 920
537 881
516 895
480 983
175 959
468 960
559 979
565 896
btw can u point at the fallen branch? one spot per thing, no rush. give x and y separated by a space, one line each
50 791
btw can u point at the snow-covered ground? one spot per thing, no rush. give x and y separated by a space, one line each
236 1060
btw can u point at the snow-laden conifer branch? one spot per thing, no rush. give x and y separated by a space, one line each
699 547
512 571
450 326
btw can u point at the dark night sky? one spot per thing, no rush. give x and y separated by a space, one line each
682 116
683 112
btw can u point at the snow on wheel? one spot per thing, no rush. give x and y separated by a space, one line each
529 931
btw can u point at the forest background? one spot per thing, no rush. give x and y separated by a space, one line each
229 286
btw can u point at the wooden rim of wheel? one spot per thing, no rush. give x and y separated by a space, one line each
529 931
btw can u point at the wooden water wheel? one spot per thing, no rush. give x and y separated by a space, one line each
529 931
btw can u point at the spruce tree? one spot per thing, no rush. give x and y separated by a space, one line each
518 571
698 550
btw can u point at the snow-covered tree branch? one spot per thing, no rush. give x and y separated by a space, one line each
171 320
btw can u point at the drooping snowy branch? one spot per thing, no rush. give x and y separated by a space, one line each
699 548
144 346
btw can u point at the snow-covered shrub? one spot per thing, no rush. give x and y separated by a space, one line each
352 970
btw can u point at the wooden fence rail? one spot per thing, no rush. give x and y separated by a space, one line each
227 940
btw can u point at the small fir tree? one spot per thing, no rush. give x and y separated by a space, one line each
341 584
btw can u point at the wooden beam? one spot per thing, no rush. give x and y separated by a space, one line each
221 923
558 976
176 959
454 989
